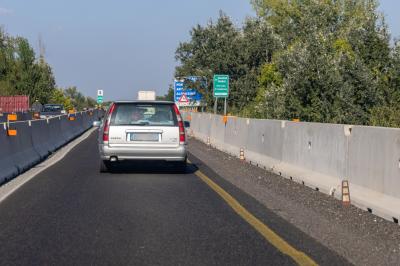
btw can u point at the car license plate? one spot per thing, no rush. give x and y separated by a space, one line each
143 136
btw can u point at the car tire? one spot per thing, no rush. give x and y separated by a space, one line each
104 166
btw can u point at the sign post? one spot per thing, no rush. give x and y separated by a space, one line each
221 90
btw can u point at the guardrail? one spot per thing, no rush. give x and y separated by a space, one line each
37 139
318 155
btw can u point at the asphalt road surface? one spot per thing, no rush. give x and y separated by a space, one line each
143 214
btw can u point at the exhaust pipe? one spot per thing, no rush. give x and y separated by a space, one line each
113 159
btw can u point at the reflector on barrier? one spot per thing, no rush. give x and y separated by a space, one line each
12 117
11 132
71 115
225 119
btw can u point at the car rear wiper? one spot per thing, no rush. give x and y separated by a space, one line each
144 123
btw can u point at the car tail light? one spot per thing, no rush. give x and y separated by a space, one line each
182 136
107 123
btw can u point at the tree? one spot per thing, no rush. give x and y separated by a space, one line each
78 100
167 97
323 61
22 74
221 48
333 61
58 97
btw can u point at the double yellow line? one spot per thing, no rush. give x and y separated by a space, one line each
299 257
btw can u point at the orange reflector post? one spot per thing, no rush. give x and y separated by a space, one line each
225 119
12 117
11 132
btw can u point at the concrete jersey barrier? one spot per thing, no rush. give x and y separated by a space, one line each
37 139
317 155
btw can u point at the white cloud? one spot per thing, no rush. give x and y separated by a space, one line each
5 11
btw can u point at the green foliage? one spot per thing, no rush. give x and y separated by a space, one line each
221 48
78 100
167 97
58 97
323 61
22 74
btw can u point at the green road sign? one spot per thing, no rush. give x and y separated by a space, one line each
221 86
99 99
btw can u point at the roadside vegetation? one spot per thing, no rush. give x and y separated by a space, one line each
23 73
322 61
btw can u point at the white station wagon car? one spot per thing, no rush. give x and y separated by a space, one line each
142 130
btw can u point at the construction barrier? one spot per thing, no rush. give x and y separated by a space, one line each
37 139
317 155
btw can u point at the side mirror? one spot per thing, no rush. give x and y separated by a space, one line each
186 124
96 123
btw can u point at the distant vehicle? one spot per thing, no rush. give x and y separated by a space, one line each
13 104
146 95
50 110
142 130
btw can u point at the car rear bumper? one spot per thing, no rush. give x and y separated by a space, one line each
130 153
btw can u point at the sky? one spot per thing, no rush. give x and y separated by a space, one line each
122 46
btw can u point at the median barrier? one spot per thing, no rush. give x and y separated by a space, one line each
23 152
35 140
41 137
7 167
21 116
317 155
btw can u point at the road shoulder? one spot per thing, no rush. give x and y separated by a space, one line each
358 236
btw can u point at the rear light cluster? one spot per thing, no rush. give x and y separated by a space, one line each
182 136
107 123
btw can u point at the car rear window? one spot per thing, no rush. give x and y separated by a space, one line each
146 114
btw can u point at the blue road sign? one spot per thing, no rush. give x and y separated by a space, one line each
192 95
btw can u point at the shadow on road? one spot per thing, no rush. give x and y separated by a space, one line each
150 167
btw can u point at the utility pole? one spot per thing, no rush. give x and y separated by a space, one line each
42 49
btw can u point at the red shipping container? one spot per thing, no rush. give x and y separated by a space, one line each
11 104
